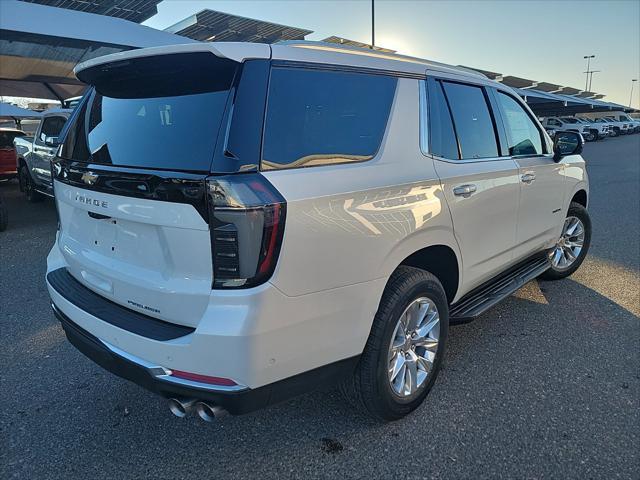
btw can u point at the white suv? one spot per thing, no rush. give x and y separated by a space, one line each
241 223
568 124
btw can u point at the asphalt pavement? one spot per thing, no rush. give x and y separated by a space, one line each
545 385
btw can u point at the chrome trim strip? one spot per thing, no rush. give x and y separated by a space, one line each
201 386
164 374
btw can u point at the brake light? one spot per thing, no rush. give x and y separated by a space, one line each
246 221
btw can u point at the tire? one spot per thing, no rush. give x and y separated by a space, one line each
4 216
559 271
27 186
371 388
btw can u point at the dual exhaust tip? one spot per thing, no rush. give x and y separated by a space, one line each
181 407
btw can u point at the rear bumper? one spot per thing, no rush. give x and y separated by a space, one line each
236 402
274 345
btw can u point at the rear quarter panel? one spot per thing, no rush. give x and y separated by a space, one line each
354 223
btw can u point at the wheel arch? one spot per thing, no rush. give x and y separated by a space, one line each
434 250
580 197
441 261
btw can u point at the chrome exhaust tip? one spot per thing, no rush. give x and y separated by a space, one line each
208 412
181 407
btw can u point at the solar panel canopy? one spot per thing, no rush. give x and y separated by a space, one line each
212 26
133 10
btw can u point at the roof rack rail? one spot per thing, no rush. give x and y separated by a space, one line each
378 54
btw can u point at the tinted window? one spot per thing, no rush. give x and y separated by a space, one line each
472 121
442 135
155 112
317 117
523 136
51 127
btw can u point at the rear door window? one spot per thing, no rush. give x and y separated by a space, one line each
155 112
523 135
322 117
442 135
472 120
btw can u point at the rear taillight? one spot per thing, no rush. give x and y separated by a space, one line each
246 221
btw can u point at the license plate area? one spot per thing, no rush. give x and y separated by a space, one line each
105 234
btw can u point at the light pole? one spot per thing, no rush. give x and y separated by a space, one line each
633 80
588 58
373 24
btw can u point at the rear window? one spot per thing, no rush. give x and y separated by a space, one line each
156 112
443 137
317 117
472 121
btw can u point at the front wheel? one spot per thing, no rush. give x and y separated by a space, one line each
572 246
405 348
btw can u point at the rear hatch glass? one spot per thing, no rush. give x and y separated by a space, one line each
161 112
131 178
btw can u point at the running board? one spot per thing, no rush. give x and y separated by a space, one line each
486 296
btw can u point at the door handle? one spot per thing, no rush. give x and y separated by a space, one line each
464 190
528 177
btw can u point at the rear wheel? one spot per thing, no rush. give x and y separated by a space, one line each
405 348
572 246
28 187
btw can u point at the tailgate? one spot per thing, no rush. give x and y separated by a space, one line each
147 255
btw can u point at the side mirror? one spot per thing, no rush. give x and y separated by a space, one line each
51 141
566 143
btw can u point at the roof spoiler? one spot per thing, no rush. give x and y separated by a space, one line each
236 51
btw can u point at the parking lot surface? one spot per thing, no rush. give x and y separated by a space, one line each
545 385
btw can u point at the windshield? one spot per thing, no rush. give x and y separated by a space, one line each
154 112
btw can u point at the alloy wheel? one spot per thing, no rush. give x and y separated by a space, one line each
570 244
413 347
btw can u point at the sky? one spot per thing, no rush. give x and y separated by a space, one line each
542 40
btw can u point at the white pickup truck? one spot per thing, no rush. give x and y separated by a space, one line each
568 124
34 154
598 130
633 125
619 127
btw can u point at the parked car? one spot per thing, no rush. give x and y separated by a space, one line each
568 124
330 232
633 124
608 125
598 130
619 128
34 155
8 152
